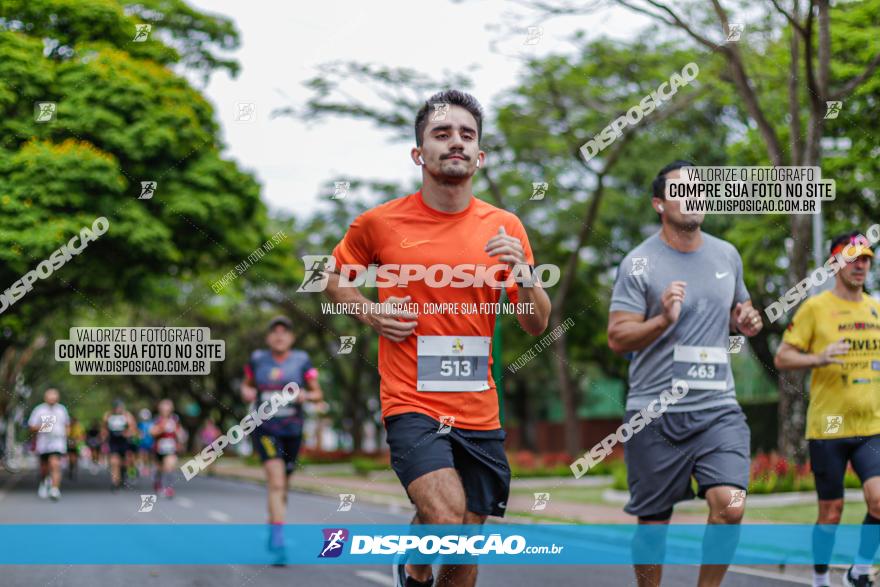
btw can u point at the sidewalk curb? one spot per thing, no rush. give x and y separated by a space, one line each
374 498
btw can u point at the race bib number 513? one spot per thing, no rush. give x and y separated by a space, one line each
453 363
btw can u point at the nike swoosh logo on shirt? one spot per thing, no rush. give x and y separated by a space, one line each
721 275
405 244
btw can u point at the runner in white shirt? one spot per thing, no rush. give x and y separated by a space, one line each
51 423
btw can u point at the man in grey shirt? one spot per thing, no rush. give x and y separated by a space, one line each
677 298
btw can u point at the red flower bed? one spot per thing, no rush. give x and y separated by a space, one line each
771 473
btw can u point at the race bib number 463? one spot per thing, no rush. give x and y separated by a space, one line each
700 367
453 363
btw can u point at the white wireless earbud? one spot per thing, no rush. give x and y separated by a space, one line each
478 162
422 161
660 207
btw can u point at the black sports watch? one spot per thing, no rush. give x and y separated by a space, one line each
527 281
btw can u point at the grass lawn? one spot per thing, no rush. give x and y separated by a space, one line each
592 495
853 513
377 475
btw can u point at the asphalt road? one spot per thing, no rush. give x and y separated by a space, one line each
206 500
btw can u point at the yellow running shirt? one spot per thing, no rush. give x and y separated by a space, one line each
844 399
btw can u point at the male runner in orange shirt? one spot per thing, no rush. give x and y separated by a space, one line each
438 397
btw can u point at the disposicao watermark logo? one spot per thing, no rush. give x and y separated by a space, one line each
318 267
735 344
737 498
539 190
539 346
56 261
334 542
148 190
346 345
833 424
234 435
820 275
45 111
340 190
346 500
627 430
48 422
541 501
142 32
534 34
447 544
639 265
446 423
147 503
734 32
832 109
635 114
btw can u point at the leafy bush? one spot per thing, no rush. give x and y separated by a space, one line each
769 473
324 457
525 464
365 465
619 474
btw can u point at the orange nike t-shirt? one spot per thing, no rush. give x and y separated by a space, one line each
408 231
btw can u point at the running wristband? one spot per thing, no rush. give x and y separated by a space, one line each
527 281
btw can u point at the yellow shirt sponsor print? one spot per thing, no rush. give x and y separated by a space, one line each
844 399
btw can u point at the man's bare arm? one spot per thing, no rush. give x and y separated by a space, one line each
628 331
347 295
789 357
534 322
394 325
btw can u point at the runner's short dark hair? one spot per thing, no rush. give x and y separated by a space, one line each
841 238
453 98
659 184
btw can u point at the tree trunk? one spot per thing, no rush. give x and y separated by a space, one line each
792 416
568 395
355 407
524 415
567 388
357 421
792 396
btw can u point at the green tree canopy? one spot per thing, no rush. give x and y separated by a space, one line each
125 114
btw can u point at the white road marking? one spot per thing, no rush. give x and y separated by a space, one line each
769 575
219 516
184 502
375 577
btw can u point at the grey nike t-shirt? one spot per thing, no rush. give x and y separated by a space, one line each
693 349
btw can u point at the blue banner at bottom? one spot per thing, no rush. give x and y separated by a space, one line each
219 544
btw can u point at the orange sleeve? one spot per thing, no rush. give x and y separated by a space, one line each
357 247
514 227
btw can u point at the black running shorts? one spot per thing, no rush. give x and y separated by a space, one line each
418 447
